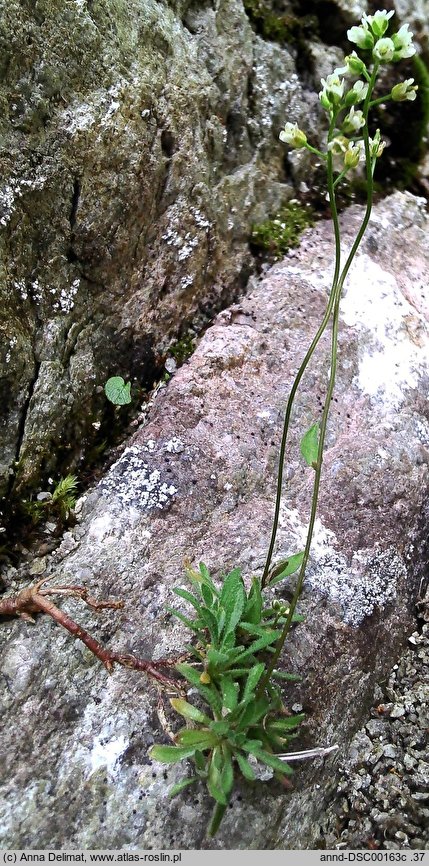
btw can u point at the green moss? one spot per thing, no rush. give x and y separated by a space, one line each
279 27
182 349
56 505
277 235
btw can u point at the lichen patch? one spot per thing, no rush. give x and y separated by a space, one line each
133 482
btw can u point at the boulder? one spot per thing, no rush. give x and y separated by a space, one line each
139 144
197 481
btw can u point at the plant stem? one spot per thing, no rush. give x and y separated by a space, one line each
306 361
336 298
217 815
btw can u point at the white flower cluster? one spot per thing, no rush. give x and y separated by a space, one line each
347 135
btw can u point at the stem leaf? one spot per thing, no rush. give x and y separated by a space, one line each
310 445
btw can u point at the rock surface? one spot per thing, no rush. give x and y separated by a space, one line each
382 799
197 481
139 141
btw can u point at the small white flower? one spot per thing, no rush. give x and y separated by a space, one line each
405 90
357 93
293 136
339 145
361 36
376 145
379 22
353 122
354 64
384 50
353 154
402 41
333 90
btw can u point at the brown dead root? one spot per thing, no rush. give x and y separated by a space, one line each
35 599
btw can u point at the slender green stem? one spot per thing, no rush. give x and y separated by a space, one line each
315 497
380 100
340 177
314 150
336 292
218 813
303 367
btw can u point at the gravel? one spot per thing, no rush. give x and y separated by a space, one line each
382 797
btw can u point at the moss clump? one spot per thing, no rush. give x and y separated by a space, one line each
276 26
277 235
57 505
182 349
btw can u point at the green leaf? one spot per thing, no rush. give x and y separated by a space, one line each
229 691
245 767
188 711
221 727
200 761
180 786
171 754
286 724
310 445
210 622
209 693
259 644
290 678
253 608
252 714
270 760
189 673
198 739
259 630
188 622
207 595
255 674
117 391
289 566
214 780
217 659
205 574
227 776
188 596
250 745
232 599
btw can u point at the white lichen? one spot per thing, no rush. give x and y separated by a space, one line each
132 482
106 753
366 584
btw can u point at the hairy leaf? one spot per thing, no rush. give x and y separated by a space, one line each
188 711
171 754
232 599
229 692
188 596
245 767
198 739
180 786
253 608
255 674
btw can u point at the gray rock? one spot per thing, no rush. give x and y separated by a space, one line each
75 743
139 144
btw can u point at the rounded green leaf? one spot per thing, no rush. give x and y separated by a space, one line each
117 391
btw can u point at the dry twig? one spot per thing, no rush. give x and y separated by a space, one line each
34 599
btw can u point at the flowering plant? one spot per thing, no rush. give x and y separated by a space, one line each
238 634
348 141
